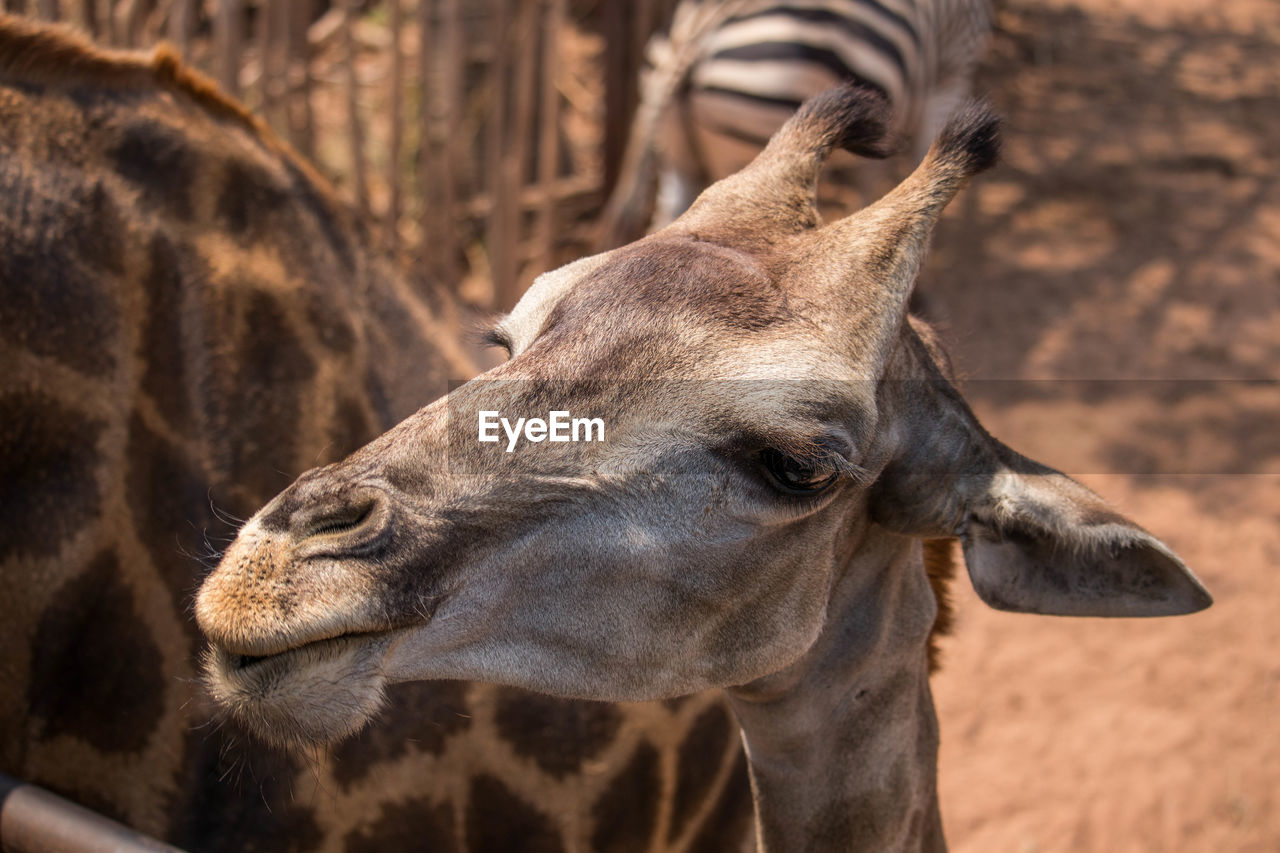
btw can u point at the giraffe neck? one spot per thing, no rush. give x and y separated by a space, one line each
843 744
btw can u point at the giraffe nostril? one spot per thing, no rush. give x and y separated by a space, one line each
346 518
348 522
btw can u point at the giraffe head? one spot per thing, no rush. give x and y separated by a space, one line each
769 413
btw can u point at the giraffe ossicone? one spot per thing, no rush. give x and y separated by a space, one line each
782 439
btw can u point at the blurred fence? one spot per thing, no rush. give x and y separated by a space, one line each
482 134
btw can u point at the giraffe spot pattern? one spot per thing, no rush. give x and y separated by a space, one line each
351 427
159 161
260 210
699 762
55 246
627 812
96 673
379 400
164 333
726 827
391 319
337 233
273 354
399 340
57 192
422 715
263 400
94 234
47 458
328 322
558 734
170 501
239 795
413 824
249 199
498 821
236 804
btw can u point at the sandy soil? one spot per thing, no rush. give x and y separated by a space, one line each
1112 293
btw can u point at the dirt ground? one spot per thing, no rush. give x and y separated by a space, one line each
1112 294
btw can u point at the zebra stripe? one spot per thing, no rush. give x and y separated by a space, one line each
854 30
729 74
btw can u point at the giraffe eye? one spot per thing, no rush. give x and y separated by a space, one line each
795 476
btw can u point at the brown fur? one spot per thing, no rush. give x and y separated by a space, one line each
58 55
940 565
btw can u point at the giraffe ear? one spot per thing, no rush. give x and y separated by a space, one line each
1035 541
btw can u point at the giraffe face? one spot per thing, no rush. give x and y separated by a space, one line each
765 404
690 545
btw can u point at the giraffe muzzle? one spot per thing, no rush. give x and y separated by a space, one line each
311 693
278 588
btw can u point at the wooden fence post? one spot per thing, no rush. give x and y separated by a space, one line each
181 18
228 37
549 143
397 122
498 242
350 8
298 64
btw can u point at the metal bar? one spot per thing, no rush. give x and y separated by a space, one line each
33 820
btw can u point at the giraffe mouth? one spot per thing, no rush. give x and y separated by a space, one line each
313 692
320 647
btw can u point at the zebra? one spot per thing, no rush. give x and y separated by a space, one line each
729 72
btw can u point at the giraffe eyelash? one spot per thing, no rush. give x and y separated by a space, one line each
495 338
